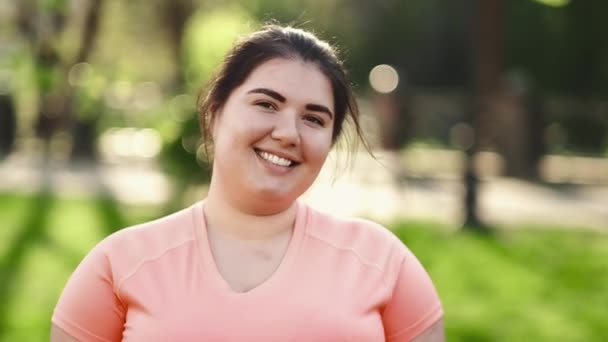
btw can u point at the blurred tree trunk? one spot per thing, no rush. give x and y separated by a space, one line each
42 25
518 133
536 142
387 107
84 126
488 43
175 15
8 125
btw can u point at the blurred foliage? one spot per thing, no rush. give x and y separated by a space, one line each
208 37
557 51
563 48
183 158
525 283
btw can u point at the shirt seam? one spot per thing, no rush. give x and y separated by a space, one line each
197 219
307 219
362 260
436 313
62 322
394 283
146 261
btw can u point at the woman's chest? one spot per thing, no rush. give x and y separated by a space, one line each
317 298
288 319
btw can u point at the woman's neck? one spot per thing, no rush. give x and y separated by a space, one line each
226 217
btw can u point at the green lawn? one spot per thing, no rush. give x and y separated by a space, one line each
517 285
42 240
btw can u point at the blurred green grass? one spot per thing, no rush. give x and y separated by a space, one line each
520 284
517 284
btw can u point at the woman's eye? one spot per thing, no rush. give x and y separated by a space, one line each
315 120
265 104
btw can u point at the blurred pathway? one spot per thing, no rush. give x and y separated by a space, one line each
367 190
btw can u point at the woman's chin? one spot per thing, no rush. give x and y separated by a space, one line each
274 195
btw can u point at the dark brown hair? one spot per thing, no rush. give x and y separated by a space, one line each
274 41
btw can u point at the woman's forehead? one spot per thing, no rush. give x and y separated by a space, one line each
292 78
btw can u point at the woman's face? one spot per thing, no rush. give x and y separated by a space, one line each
274 132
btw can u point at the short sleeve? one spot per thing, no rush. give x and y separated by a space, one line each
88 308
414 305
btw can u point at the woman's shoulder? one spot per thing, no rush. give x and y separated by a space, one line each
348 228
133 245
369 240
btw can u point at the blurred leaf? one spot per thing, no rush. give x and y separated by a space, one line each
208 37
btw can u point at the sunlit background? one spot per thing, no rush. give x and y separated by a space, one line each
488 121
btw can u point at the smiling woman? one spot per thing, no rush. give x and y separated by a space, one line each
272 136
251 262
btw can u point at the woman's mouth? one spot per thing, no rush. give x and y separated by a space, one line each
274 159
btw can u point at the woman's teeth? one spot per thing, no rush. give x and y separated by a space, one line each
275 159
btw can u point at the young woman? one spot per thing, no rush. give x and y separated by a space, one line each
250 262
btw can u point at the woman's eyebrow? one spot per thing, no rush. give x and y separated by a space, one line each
282 99
320 108
268 92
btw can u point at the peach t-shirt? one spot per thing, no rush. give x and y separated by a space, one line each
340 280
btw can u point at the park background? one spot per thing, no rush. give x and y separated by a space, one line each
488 120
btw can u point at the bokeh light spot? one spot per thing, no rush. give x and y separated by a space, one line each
384 78
554 3
80 74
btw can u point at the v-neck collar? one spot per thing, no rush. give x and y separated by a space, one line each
270 285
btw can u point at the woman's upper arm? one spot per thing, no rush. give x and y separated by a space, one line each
433 334
58 335
414 309
89 308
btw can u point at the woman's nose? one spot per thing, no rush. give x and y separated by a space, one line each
286 130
